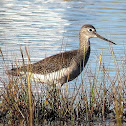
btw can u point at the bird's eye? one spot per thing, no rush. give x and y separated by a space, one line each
90 30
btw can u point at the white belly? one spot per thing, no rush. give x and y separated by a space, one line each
52 78
59 77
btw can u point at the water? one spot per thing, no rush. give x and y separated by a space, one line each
47 27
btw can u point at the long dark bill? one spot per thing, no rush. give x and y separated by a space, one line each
104 39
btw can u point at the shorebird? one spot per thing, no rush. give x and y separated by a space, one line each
62 67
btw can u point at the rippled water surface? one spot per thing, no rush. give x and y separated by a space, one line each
47 27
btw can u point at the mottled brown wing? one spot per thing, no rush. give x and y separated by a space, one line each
53 63
47 65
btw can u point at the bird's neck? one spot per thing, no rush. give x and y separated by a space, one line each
84 43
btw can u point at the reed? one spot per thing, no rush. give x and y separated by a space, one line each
60 106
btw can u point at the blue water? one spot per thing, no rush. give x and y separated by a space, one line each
47 27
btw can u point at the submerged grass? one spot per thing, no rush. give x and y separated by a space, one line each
104 100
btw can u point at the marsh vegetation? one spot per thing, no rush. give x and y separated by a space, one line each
104 100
